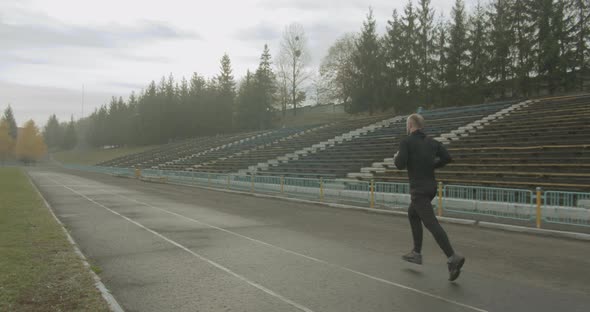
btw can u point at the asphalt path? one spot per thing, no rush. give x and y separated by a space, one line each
174 248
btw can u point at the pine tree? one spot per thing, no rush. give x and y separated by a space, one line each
409 55
101 133
457 50
170 109
581 40
547 45
184 109
160 106
500 41
226 90
112 122
394 62
425 48
478 47
256 95
149 112
441 59
562 31
133 134
523 32
53 132
70 138
197 89
247 103
367 62
6 141
266 87
9 116
226 78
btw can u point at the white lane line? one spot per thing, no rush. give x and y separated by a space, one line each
55 185
213 263
308 257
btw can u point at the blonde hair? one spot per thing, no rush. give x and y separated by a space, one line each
417 120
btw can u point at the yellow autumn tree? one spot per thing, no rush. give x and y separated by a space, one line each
6 141
30 146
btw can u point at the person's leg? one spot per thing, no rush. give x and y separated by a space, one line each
416 225
414 256
423 207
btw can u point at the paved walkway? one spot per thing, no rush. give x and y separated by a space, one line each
172 248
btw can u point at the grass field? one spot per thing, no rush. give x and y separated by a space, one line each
94 156
39 270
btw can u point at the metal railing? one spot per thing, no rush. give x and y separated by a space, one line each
570 208
497 202
566 208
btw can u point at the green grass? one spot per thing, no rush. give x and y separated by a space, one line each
39 270
96 269
95 156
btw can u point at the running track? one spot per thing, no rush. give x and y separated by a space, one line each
173 248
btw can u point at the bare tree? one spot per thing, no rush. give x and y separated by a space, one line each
319 89
292 65
282 83
336 69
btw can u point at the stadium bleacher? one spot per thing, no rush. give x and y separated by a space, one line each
362 151
516 144
281 148
546 144
189 161
172 151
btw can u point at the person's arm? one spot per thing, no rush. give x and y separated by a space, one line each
401 157
443 156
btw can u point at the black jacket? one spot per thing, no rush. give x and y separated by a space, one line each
421 154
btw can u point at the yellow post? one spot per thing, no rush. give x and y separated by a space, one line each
372 193
440 199
538 207
282 184
137 173
321 189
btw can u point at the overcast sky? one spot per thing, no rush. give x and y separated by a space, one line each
50 48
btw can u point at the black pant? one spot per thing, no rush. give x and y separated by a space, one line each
421 211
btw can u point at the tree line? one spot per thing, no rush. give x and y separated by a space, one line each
25 144
504 49
171 109
498 50
60 135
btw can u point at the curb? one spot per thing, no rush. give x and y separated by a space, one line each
535 231
105 293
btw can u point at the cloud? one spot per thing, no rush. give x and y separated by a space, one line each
127 85
49 33
10 58
263 31
314 5
37 103
134 57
